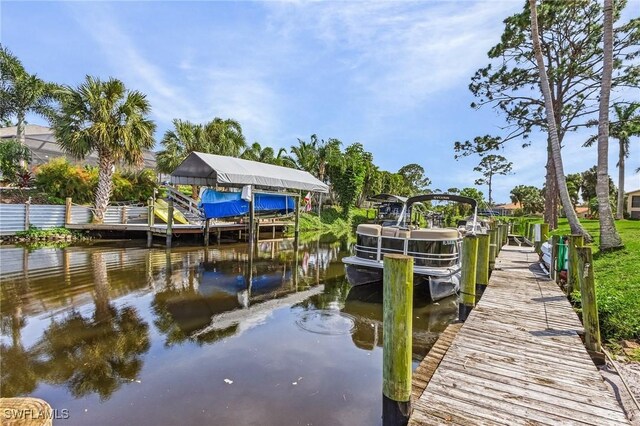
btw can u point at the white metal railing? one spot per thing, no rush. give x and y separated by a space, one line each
184 201
377 252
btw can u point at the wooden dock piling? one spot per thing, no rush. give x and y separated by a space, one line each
493 249
482 273
588 299
397 332
537 238
575 241
169 222
544 232
67 210
468 276
505 234
296 233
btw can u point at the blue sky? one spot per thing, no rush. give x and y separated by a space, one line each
390 75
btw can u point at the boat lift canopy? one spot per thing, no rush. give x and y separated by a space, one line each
387 198
219 170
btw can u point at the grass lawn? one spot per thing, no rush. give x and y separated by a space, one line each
332 220
617 277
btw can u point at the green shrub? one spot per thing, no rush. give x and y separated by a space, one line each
60 179
11 153
139 185
34 232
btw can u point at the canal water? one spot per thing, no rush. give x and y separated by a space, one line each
118 334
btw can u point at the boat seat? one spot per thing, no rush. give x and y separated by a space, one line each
389 232
402 233
435 234
366 229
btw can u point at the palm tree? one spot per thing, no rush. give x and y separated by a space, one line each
328 154
255 152
305 156
574 222
22 93
626 126
184 138
225 137
609 238
105 117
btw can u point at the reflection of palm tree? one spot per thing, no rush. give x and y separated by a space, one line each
90 356
98 354
101 281
16 364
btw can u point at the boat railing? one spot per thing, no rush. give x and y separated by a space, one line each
374 247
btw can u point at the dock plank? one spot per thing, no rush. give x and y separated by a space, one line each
517 360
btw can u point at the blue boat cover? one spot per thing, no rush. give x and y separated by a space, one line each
217 205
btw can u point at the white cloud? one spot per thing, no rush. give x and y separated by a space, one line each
399 53
201 90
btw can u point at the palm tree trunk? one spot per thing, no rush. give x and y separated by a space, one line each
574 223
609 238
106 169
622 154
551 193
20 135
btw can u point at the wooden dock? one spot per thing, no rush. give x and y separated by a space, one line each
161 228
517 360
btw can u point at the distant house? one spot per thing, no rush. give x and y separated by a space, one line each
43 145
507 209
633 204
582 212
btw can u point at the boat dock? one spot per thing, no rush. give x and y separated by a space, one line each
160 229
518 359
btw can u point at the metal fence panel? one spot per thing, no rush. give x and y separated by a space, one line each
81 214
11 218
46 216
137 214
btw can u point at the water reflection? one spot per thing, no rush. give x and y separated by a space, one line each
98 323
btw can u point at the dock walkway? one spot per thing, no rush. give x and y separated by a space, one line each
517 360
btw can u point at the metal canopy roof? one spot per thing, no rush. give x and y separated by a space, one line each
211 170
387 198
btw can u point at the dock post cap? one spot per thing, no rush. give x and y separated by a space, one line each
397 256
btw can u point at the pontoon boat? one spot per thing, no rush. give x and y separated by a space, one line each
436 251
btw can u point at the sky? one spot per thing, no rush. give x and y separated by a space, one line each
393 76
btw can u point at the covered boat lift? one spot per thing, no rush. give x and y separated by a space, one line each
252 176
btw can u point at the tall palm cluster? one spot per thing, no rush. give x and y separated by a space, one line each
222 137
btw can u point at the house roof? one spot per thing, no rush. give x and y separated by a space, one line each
29 129
511 206
43 145
633 192
208 169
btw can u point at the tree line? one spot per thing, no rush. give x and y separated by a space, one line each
105 117
553 71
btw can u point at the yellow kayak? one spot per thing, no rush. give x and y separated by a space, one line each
162 211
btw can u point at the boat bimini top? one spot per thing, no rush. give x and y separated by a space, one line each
442 197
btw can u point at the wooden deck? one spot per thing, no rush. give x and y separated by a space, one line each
161 229
517 360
